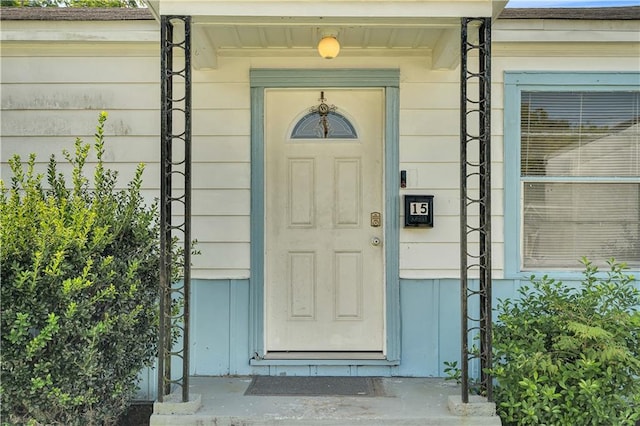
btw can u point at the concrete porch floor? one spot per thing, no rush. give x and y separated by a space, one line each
409 401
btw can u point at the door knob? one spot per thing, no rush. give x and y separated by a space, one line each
375 241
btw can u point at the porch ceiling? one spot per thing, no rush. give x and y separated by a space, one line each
287 28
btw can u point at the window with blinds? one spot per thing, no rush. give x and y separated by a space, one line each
580 178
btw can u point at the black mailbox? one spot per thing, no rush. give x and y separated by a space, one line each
418 211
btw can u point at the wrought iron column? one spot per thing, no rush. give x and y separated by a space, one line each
175 205
475 202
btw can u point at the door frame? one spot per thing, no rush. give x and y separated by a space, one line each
389 80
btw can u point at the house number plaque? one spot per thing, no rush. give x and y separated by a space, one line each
418 211
375 219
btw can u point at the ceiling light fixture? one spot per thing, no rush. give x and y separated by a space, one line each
329 47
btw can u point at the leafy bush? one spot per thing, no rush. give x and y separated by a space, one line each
79 291
570 356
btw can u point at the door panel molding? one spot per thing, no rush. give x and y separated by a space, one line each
388 79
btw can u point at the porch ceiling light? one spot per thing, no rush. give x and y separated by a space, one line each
329 47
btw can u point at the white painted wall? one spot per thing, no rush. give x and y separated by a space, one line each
52 92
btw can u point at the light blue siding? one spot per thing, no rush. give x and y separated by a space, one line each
147 384
220 327
430 334
210 328
419 301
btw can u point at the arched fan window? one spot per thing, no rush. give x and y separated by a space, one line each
337 126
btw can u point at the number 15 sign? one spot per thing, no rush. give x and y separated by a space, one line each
418 211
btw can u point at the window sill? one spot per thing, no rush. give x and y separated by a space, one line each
565 275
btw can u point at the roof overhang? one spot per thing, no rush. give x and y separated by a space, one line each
427 28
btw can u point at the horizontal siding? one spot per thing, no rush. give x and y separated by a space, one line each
85 69
63 96
558 30
55 94
221 255
224 229
146 149
117 149
209 179
428 149
440 175
436 122
122 122
440 232
118 95
220 94
437 149
438 94
220 202
74 123
430 154
430 260
541 60
75 30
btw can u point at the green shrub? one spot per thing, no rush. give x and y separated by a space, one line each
570 356
79 291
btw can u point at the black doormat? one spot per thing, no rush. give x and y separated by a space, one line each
315 386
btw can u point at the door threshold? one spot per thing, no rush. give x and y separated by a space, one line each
307 355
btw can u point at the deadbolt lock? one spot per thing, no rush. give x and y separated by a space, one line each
376 219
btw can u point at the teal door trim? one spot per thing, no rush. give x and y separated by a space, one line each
389 80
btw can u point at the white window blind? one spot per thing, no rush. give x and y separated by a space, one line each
580 178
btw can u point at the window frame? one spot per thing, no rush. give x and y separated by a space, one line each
516 82
331 116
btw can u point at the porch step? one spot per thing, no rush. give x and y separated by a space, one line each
246 421
409 401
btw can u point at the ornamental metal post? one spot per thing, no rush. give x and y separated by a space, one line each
475 193
175 162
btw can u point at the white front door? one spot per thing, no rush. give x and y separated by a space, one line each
324 259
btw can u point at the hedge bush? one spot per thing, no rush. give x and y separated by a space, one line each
79 291
570 355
